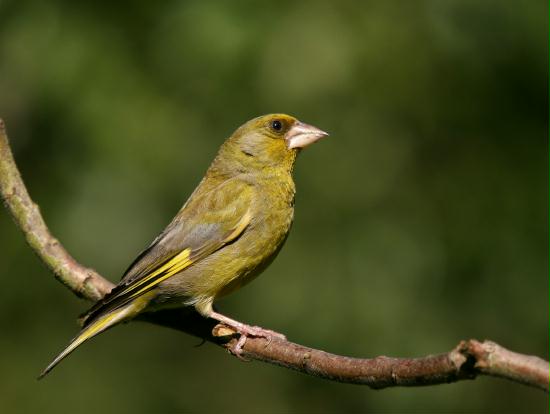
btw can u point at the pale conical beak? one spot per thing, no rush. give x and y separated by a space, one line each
301 135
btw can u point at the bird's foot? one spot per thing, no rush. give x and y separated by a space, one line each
253 331
246 331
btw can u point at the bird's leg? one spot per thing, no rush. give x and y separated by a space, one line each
245 331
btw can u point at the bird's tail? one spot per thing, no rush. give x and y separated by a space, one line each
93 328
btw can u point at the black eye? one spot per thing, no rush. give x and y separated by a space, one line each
276 125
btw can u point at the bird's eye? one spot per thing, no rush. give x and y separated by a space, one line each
277 125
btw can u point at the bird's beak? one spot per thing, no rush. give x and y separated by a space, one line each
301 135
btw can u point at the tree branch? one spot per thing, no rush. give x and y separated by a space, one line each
469 359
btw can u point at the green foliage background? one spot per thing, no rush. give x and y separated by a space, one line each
421 221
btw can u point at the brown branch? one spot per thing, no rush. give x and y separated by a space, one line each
26 214
469 359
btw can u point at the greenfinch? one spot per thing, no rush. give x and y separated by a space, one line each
229 230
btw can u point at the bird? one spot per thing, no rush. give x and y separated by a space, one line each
229 230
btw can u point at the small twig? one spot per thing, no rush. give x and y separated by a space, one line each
466 361
492 359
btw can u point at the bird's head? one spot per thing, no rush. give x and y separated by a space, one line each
271 141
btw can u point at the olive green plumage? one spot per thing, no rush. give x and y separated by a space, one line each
230 229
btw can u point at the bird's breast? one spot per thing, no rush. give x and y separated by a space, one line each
272 215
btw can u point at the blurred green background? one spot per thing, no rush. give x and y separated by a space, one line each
421 221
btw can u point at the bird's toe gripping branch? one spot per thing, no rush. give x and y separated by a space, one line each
229 327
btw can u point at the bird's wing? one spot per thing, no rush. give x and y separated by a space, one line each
208 221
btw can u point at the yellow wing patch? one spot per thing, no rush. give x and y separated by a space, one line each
239 228
170 268
180 261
